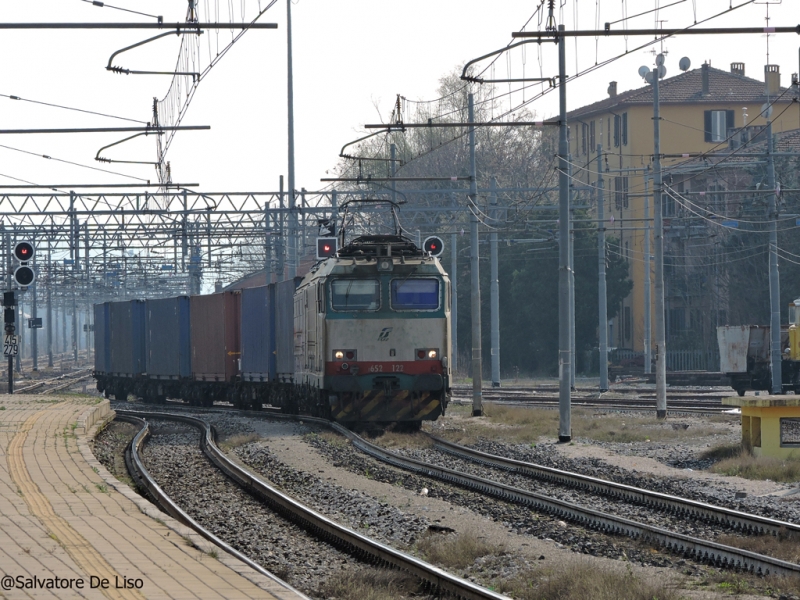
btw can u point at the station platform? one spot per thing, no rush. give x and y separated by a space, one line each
69 529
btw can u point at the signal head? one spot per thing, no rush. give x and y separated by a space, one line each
433 245
24 275
24 251
326 247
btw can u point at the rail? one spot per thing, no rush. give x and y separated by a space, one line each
701 550
323 527
144 480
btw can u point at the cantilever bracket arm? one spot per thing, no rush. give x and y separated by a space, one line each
351 157
130 162
466 77
113 69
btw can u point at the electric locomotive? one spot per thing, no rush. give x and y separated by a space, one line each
372 332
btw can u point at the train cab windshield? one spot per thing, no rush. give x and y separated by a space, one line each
415 294
355 294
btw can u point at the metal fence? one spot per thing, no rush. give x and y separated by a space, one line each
677 360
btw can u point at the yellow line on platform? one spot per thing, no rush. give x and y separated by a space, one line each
79 548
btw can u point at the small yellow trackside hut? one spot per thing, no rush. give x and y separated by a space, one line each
770 424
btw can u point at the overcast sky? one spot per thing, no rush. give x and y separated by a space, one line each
351 58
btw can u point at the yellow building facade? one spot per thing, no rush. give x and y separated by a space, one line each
702 111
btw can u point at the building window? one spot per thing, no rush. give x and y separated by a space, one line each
790 432
584 137
627 323
592 142
617 130
624 129
667 206
717 123
608 133
620 192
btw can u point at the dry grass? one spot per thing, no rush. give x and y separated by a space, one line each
457 550
526 425
369 584
240 439
749 583
785 545
738 461
584 581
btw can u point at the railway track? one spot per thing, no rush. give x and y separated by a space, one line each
56 383
701 550
686 401
323 527
696 548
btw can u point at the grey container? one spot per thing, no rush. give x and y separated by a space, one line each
284 328
127 357
168 341
102 346
258 333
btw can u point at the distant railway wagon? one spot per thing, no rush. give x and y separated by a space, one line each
363 337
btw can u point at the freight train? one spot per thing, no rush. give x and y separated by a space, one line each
364 337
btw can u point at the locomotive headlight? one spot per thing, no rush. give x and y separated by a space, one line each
338 355
432 353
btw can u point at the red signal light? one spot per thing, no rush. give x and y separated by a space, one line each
326 247
24 251
433 245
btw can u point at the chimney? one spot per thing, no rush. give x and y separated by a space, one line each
737 69
772 79
704 73
612 89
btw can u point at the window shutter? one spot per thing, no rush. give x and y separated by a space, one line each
707 125
616 130
624 129
728 121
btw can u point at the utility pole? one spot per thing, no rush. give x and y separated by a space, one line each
475 296
661 343
564 346
290 94
602 316
494 290
34 331
281 270
573 360
774 276
49 307
454 301
647 333
20 332
393 170
267 245
10 304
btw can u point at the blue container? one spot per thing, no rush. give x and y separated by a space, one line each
167 338
102 345
258 333
284 328
127 320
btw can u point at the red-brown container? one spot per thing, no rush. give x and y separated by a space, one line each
216 345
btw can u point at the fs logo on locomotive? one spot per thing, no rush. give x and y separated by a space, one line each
384 334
